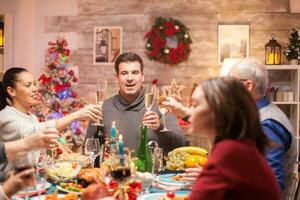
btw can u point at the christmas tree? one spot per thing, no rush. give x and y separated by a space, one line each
293 49
56 88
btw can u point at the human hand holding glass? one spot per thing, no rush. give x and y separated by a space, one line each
176 107
53 135
22 162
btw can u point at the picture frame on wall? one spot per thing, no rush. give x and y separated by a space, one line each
107 44
233 42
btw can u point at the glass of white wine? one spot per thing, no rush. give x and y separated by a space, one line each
100 96
160 97
150 92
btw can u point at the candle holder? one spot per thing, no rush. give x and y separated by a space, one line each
273 52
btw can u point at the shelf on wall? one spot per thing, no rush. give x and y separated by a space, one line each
286 102
282 67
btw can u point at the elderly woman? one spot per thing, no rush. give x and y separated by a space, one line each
226 113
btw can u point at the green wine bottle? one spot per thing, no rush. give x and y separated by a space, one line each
143 154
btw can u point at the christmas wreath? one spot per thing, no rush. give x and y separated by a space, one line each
168 41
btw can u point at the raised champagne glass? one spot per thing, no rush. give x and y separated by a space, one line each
160 97
150 92
101 91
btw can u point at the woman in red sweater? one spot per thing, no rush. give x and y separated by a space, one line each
226 113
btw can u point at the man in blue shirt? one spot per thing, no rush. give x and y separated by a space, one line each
276 125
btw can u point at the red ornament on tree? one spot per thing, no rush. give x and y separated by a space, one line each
75 79
68 84
74 94
71 72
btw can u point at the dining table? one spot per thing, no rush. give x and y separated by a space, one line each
158 187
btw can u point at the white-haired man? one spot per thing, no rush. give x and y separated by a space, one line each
274 122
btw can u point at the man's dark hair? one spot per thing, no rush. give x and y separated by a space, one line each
128 57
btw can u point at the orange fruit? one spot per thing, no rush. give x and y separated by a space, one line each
192 161
202 161
195 161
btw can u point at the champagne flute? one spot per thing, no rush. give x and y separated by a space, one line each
92 149
52 146
150 92
100 96
160 97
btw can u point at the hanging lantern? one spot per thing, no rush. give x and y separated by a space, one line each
1 34
273 52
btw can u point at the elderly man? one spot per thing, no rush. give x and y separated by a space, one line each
274 122
128 109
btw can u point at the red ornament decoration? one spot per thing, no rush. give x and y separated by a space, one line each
154 82
75 79
78 131
59 87
71 72
68 84
44 79
168 41
74 95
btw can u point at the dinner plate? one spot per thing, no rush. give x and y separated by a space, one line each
155 196
152 196
166 179
36 197
68 191
40 188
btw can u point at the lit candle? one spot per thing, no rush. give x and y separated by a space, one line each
277 58
121 145
113 130
271 58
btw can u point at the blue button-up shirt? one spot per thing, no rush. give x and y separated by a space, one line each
281 136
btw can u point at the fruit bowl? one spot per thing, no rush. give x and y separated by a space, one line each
63 170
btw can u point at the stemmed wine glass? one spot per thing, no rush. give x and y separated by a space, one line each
40 161
120 171
92 148
100 96
150 92
160 97
24 161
